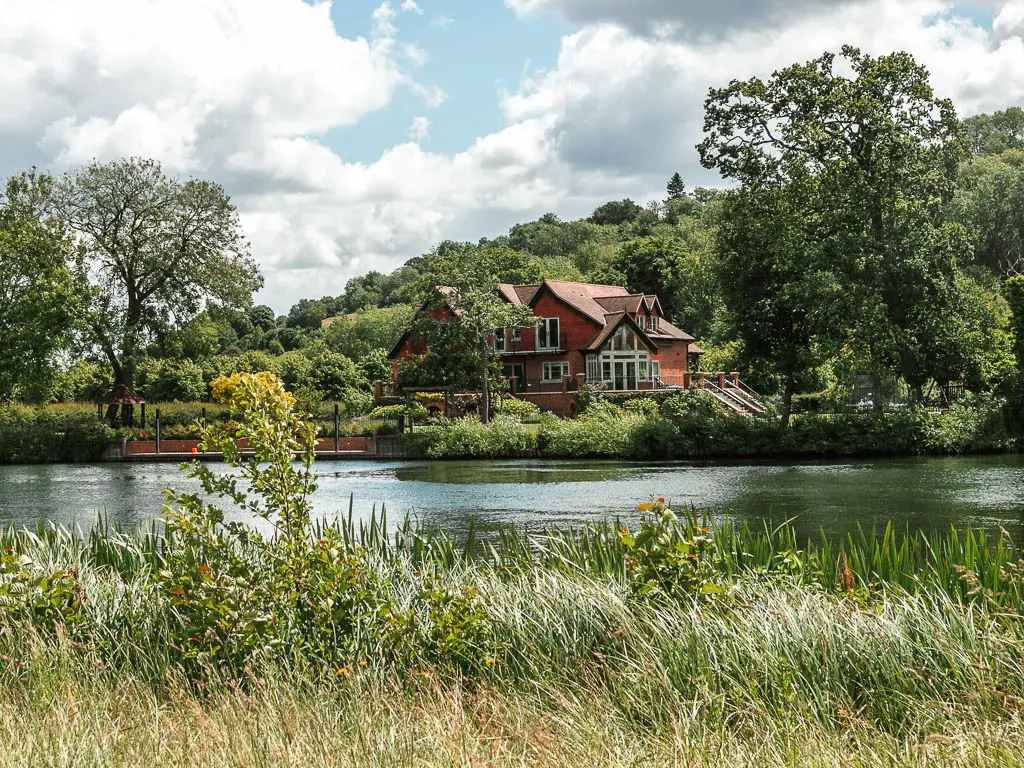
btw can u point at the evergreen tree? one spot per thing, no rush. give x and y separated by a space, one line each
676 187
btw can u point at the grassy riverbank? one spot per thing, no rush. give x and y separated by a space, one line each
568 648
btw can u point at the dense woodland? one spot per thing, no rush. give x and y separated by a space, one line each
861 229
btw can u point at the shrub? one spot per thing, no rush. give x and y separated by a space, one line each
82 383
306 594
974 424
37 436
165 380
599 432
645 406
504 437
399 411
519 409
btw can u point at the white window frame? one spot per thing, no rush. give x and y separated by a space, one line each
594 368
517 335
655 370
548 371
499 336
652 322
550 343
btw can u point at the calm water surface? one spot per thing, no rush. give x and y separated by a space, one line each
928 493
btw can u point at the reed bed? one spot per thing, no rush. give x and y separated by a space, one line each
966 564
887 649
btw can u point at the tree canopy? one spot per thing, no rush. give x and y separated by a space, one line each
881 153
153 252
39 303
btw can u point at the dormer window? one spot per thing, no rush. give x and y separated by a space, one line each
652 323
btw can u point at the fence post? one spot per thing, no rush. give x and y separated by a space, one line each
158 430
336 443
202 419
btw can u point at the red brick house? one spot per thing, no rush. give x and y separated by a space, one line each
585 333
592 333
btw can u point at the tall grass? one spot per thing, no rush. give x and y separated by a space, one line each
968 565
887 649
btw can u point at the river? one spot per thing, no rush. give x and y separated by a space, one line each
926 493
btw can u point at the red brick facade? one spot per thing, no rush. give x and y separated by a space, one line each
603 333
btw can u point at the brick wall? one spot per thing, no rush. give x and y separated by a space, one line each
323 445
559 403
672 356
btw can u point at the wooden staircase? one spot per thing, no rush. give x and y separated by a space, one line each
738 398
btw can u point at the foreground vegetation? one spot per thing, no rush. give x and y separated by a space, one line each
680 641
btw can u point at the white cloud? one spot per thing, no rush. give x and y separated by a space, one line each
242 91
383 20
420 129
1009 21
411 5
442 22
625 103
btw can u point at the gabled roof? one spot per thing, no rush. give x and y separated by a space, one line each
444 291
612 323
651 302
583 297
518 294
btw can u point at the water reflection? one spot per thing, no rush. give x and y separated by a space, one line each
928 493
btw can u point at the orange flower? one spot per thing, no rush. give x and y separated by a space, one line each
661 499
344 671
203 568
646 507
195 450
363 663
489 662
179 591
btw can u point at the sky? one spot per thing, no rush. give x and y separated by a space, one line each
355 134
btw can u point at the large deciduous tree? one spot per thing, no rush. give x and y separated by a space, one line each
772 280
38 300
466 280
882 152
153 252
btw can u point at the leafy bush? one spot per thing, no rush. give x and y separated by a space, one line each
237 599
598 432
82 383
669 561
645 406
972 425
692 402
165 380
504 437
399 411
38 436
519 409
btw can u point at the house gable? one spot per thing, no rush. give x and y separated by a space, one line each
615 321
